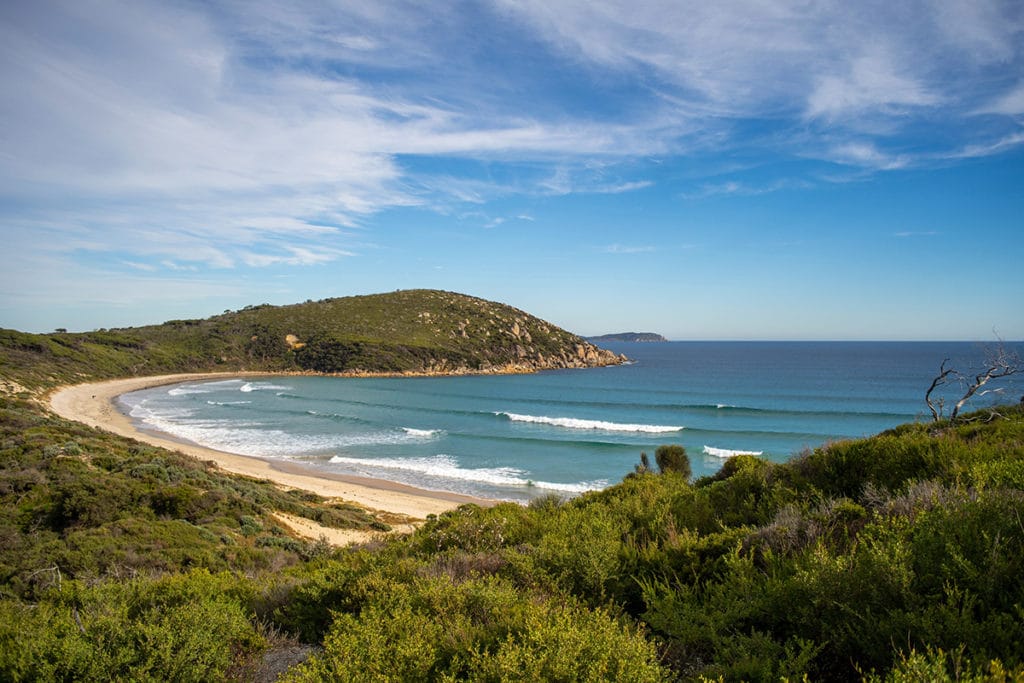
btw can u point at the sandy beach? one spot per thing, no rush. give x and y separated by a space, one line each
93 404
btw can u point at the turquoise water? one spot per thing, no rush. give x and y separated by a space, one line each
519 436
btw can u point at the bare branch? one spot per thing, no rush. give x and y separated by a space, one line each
1000 363
940 379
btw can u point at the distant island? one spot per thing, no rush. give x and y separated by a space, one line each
628 337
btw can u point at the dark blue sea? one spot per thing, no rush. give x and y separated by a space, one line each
519 436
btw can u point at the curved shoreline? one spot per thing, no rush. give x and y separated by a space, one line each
93 404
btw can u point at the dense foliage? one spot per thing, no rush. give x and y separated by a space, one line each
404 331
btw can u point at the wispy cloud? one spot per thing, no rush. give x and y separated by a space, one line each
872 83
626 249
1009 103
625 187
866 154
738 188
915 233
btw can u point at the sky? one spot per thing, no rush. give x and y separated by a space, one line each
743 169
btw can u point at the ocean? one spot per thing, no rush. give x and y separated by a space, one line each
517 437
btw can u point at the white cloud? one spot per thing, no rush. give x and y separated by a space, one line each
871 84
913 233
735 187
866 155
146 267
626 249
1010 103
292 256
625 187
988 148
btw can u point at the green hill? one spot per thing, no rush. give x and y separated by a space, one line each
628 337
415 331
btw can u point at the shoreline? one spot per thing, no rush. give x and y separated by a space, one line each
93 404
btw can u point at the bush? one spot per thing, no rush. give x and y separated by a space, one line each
673 458
478 630
192 627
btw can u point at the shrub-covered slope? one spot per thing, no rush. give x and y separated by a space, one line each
405 331
898 557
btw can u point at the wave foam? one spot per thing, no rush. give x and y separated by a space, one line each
253 438
262 386
726 453
422 433
447 467
228 403
576 423
187 390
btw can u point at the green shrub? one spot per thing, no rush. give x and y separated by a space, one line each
673 458
192 627
478 630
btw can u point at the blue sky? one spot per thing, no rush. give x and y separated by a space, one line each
731 170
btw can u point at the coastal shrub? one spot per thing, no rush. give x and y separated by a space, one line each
284 542
716 627
472 528
327 355
934 665
582 552
673 458
192 627
324 588
478 630
173 501
154 471
81 498
752 493
571 644
844 468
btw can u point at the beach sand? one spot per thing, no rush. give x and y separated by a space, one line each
93 404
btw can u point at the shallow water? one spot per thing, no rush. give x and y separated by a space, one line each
519 436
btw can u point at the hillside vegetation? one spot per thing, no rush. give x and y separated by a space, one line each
415 331
628 337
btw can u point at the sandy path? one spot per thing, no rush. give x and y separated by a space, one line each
93 404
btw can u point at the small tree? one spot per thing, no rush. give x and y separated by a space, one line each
999 363
643 467
673 458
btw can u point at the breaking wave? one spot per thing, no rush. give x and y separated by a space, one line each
262 386
422 433
576 423
446 467
726 453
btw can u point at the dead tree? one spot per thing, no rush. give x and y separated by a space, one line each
999 363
